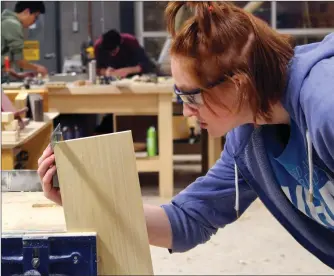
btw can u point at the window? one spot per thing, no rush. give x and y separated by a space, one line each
263 10
306 39
153 46
151 27
307 21
153 13
318 14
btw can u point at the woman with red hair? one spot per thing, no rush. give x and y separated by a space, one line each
275 102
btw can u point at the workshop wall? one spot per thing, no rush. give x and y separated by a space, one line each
71 40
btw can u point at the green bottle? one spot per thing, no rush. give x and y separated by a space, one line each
151 141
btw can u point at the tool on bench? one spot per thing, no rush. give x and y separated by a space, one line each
56 136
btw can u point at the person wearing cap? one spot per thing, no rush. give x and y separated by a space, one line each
13 23
120 55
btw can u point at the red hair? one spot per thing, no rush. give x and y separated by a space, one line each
223 39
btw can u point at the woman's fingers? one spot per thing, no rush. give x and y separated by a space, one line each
46 153
47 179
45 165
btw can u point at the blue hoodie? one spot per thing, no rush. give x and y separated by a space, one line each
295 183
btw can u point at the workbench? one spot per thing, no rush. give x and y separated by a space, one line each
34 138
127 98
214 145
35 238
13 91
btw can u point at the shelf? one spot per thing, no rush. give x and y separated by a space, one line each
148 164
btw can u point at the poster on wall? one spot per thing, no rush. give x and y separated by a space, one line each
31 50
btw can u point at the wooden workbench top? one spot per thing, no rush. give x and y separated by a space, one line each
31 130
16 87
116 87
32 211
20 215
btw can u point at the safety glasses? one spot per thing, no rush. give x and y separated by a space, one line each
195 97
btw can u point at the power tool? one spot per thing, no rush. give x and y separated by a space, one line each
87 54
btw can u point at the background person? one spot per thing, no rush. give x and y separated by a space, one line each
120 55
12 39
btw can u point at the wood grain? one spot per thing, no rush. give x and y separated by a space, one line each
101 193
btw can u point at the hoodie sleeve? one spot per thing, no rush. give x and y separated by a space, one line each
317 102
13 35
207 204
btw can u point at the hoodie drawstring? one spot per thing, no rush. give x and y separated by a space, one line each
310 164
236 182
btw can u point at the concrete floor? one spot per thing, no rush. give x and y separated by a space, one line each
255 244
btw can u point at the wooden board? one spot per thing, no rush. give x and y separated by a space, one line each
12 126
7 117
101 193
21 102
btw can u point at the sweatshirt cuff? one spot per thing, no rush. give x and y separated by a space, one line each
174 215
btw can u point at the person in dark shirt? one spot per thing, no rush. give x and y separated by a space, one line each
120 55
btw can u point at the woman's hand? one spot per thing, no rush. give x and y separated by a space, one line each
46 170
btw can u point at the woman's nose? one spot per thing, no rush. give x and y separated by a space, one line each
188 111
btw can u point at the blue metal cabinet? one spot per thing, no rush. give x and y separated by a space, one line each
61 255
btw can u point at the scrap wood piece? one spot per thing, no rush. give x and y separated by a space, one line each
100 192
21 101
7 117
12 126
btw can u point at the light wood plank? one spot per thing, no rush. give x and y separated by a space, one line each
130 104
7 117
101 193
116 87
21 102
12 126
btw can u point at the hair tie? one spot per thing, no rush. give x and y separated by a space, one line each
210 8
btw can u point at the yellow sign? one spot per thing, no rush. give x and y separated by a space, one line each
31 50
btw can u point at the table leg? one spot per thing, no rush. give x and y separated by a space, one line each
7 159
165 135
36 146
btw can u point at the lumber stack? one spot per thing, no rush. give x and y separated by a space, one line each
9 127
